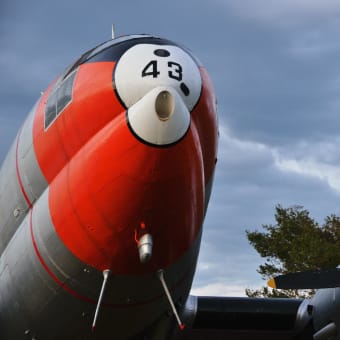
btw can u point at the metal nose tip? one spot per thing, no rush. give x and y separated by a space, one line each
164 105
145 245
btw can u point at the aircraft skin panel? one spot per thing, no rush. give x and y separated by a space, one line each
21 181
204 117
28 170
13 206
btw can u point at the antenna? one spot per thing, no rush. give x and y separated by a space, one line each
113 31
106 274
167 293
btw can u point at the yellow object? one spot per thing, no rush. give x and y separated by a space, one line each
271 283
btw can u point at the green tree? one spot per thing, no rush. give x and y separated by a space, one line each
295 243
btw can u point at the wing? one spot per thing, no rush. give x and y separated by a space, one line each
243 318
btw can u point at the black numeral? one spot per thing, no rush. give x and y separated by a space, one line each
176 70
151 69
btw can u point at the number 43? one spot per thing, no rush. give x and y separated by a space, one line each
175 70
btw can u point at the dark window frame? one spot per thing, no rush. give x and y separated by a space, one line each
60 98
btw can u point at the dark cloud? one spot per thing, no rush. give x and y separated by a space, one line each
275 79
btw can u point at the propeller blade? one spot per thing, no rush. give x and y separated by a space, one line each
329 278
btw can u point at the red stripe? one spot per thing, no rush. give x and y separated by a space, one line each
28 201
52 275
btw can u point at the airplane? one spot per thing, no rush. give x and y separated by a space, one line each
103 196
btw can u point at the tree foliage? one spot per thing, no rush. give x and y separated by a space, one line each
295 243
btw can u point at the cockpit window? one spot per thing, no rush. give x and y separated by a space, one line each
114 42
59 97
114 49
76 64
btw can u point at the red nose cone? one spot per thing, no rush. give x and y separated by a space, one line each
116 189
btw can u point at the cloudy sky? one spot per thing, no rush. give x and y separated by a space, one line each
276 71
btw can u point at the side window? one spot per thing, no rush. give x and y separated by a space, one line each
50 110
59 98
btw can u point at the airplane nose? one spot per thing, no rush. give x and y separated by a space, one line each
160 118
